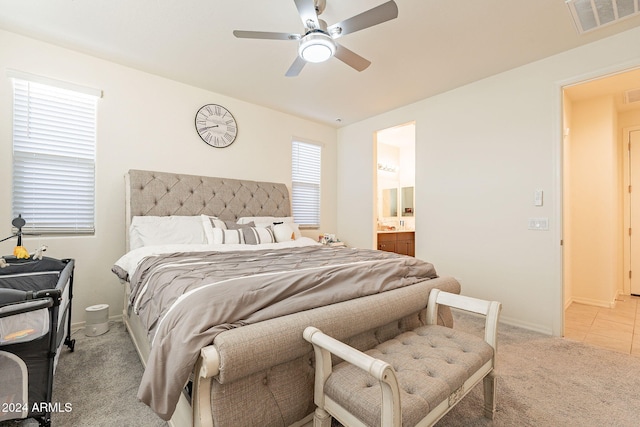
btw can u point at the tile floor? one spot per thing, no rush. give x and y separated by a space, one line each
616 328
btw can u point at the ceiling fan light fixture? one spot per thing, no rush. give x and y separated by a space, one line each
316 47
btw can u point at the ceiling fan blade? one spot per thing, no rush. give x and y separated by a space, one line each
351 58
379 14
296 67
265 35
307 11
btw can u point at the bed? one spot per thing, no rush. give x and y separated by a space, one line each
220 284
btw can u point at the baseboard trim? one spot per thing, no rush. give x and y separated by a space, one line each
526 325
75 326
595 302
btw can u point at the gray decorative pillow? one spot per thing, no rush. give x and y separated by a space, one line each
217 223
257 235
235 226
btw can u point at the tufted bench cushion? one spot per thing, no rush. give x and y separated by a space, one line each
431 362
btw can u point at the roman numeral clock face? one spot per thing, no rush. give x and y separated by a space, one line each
216 125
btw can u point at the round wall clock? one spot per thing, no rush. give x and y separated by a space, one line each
216 125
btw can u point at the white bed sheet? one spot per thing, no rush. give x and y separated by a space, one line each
129 262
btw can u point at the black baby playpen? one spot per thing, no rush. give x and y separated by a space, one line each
35 321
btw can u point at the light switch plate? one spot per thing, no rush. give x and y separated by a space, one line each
537 197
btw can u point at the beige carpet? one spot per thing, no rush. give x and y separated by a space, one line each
547 381
100 379
542 381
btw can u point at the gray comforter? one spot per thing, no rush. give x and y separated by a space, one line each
186 299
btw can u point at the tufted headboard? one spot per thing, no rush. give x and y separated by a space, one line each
163 193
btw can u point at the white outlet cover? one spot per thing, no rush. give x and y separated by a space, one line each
541 224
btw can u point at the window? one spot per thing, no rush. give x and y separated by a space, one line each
54 151
305 183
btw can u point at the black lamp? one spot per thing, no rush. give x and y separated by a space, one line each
18 223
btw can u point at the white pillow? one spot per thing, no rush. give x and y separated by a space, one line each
296 230
283 232
162 230
266 221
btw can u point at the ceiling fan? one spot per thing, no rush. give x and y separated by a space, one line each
318 44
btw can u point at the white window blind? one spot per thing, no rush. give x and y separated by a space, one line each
305 183
54 151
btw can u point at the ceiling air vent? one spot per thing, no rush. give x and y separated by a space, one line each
591 14
632 96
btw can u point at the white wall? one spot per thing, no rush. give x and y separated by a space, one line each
481 151
147 122
628 119
595 220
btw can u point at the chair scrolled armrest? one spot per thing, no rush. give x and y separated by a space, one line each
324 346
210 366
489 309
363 361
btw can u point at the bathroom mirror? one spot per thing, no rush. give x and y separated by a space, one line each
390 202
407 201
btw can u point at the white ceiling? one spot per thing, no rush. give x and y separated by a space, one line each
433 46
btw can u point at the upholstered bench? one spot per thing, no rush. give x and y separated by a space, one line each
411 380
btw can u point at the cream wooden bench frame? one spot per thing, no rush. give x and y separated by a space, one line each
391 412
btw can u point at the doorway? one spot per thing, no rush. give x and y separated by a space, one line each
596 209
395 184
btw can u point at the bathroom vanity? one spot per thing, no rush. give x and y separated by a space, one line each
400 242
